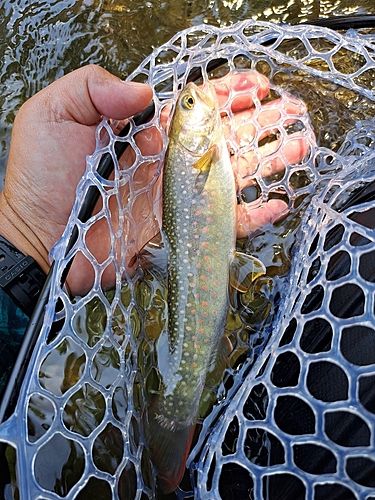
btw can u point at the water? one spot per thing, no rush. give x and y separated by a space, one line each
43 40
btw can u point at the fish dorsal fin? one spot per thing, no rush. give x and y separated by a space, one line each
210 157
244 269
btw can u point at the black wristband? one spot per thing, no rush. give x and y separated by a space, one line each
20 277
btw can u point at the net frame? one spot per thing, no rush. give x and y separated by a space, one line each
193 47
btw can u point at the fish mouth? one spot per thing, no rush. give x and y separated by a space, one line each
207 94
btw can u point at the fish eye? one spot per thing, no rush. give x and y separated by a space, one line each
188 102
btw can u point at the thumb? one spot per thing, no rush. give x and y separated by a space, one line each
89 92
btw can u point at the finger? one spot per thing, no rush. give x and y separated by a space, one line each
287 105
89 92
149 142
248 85
290 151
239 129
252 216
279 113
274 157
164 115
272 115
141 219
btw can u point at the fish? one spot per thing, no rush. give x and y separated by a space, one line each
199 234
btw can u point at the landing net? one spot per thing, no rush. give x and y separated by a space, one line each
293 414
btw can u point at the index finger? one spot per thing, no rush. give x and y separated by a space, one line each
246 85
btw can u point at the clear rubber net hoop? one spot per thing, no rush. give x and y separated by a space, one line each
77 426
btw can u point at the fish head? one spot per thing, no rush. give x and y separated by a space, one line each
196 118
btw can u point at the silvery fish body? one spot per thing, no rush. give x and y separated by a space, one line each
199 225
199 228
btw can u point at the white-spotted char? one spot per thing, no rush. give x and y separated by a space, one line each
199 227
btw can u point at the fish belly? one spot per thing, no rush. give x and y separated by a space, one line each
200 239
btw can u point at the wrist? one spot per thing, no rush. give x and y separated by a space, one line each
19 234
20 277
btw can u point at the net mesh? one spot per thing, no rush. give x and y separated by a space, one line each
301 424
289 413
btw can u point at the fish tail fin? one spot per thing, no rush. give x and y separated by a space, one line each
169 448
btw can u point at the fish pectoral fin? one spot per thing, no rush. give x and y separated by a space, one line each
219 361
244 269
210 157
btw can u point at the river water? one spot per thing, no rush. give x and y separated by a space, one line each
43 40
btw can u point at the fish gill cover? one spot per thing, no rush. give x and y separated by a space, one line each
293 414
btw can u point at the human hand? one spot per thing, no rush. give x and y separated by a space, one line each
248 125
53 132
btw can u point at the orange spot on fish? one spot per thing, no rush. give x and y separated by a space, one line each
193 338
197 252
201 330
218 264
198 212
209 269
200 321
193 311
199 265
204 303
191 284
209 219
206 257
216 282
193 364
197 346
214 313
196 295
205 288
205 230
213 294
205 314
214 250
203 277
211 323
